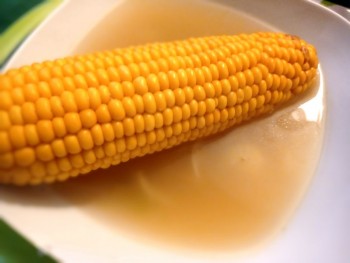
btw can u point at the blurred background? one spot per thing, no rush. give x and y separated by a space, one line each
18 18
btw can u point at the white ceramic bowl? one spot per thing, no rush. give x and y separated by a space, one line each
319 231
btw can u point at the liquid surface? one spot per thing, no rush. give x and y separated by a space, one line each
231 191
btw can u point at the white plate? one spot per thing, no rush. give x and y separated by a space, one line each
319 232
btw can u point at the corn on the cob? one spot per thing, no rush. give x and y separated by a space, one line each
66 117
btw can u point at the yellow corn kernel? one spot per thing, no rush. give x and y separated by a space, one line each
62 118
44 153
160 101
177 114
94 98
104 93
16 137
150 122
102 114
149 103
140 85
89 157
58 148
5 122
169 98
56 106
129 126
88 118
118 129
97 134
108 132
82 99
85 139
116 110
6 160
186 111
64 164
5 100
44 130
139 123
43 109
68 102
59 127
110 149
24 157
15 115
141 139
129 107
199 93
168 116
72 144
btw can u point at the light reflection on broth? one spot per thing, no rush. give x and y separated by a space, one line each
233 190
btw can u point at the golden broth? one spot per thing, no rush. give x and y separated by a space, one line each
233 190
228 192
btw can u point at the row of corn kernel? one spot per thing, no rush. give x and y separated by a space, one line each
80 100
68 70
274 51
270 50
72 122
66 165
73 145
37 170
182 78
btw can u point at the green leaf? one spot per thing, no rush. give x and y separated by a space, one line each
326 3
14 248
18 30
